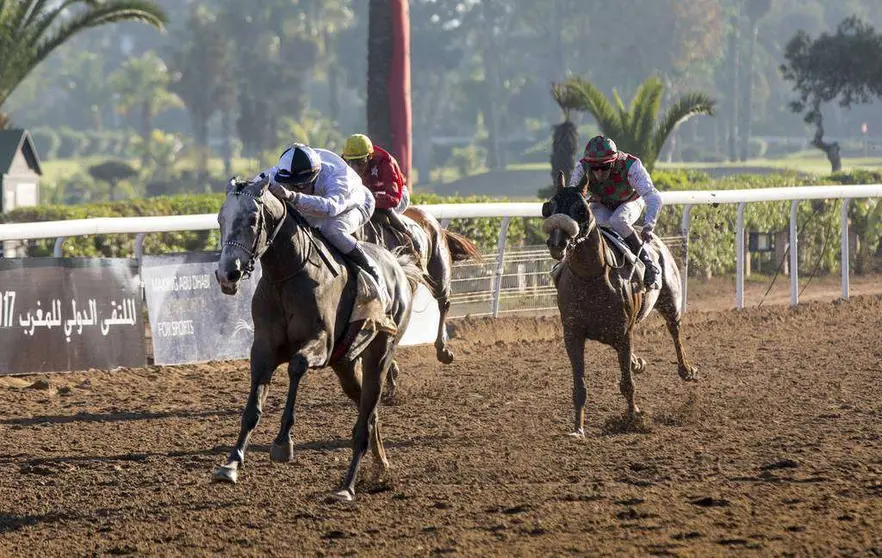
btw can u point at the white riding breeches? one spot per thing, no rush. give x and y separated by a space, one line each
622 218
338 230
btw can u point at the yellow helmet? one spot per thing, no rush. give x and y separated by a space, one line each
358 146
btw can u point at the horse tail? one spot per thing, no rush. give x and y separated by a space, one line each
412 268
461 248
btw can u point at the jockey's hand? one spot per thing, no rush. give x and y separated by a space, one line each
646 234
281 192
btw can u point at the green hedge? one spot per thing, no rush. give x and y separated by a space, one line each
483 232
122 245
712 232
712 228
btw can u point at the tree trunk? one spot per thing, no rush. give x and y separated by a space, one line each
564 147
830 149
199 121
227 133
495 157
733 59
747 103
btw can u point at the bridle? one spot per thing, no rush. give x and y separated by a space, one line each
256 251
585 229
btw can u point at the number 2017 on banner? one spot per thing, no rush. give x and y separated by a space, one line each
7 307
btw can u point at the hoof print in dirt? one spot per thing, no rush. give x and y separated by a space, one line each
710 502
783 464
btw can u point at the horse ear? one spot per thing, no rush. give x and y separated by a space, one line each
559 181
231 184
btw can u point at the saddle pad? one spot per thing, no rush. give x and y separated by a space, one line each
367 320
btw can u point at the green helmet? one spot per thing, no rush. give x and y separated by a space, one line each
601 149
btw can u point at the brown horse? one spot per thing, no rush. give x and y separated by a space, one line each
602 299
438 249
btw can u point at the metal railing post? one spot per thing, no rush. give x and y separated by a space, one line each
445 222
845 254
684 230
739 257
500 267
794 253
58 251
139 246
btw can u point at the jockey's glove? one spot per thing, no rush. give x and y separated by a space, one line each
646 233
283 193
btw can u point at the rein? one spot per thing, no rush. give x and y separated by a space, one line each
256 251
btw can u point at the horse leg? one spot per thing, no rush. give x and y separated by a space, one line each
262 370
282 449
376 361
439 269
626 383
349 375
442 352
669 310
575 344
392 386
688 373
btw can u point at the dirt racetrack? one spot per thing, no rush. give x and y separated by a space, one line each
776 451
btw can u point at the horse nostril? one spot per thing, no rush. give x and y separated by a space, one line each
234 275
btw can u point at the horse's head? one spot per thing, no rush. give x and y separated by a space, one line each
243 232
564 213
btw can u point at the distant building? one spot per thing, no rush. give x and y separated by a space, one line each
20 170
20 175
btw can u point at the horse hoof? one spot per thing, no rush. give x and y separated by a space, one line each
282 453
638 366
689 374
227 473
344 495
445 356
578 434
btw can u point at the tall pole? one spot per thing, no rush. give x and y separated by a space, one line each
388 104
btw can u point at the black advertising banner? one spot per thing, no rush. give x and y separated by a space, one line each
59 314
191 320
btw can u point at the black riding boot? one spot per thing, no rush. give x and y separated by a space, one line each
651 272
362 260
398 224
365 262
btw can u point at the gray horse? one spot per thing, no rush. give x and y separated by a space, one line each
302 309
600 297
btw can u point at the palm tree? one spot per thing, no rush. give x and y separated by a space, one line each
30 30
635 128
565 136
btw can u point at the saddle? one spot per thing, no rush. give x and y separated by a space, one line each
368 317
617 252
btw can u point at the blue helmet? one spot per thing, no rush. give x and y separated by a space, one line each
299 165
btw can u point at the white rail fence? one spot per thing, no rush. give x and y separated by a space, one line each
531 263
